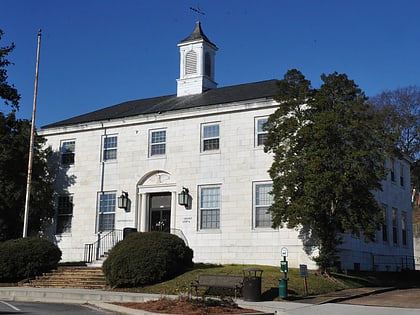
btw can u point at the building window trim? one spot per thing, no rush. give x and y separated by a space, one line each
64 214
109 148
157 142
210 137
106 211
68 151
262 200
260 133
209 207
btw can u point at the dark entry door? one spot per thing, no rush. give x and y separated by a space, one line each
160 212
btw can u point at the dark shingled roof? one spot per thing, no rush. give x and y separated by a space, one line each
229 94
197 34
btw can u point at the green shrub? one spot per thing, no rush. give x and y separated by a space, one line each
27 257
146 258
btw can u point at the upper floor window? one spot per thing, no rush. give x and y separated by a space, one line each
67 152
401 174
209 207
106 211
157 142
392 170
260 133
110 144
64 213
210 137
262 201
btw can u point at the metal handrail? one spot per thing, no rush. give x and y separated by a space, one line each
96 250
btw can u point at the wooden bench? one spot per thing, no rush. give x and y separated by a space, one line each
218 281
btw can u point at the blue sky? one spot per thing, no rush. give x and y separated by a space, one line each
97 53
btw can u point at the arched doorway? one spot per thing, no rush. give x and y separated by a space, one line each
156 202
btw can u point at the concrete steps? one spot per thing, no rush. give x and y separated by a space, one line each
70 277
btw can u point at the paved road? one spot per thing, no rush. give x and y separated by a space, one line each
401 302
33 308
342 309
404 298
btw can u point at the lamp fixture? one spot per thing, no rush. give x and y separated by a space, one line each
183 197
123 200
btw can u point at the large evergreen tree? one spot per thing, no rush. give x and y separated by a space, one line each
329 154
14 152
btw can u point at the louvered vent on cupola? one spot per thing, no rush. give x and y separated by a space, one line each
191 62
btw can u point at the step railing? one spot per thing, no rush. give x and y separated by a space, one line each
105 242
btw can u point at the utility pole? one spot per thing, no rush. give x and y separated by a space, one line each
31 141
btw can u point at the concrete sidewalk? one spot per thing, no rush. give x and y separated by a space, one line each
102 299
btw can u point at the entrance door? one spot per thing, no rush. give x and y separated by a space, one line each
160 212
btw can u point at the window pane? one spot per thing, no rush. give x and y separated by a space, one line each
110 142
211 131
158 142
107 203
64 214
260 124
107 211
211 144
110 154
158 136
261 133
263 200
210 208
67 152
110 148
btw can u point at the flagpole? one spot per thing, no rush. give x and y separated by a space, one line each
31 141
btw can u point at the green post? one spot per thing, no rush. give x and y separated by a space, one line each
283 282
283 288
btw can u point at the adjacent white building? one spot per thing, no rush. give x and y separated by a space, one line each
205 143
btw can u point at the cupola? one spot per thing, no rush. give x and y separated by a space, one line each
197 58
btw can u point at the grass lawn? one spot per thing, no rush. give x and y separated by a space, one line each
317 284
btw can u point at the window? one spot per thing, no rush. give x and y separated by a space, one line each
67 152
106 221
64 214
260 133
191 62
394 226
210 137
392 170
401 174
263 200
157 145
385 224
110 148
404 228
209 207
207 64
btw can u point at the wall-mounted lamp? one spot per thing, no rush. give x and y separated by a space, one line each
183 197
123 200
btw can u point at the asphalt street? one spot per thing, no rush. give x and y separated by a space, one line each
36 308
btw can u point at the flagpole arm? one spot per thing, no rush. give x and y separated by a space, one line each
31 140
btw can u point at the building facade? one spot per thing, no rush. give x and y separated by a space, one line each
193 164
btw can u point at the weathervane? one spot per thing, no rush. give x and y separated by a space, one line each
198 11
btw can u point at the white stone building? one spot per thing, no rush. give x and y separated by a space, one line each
207 140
